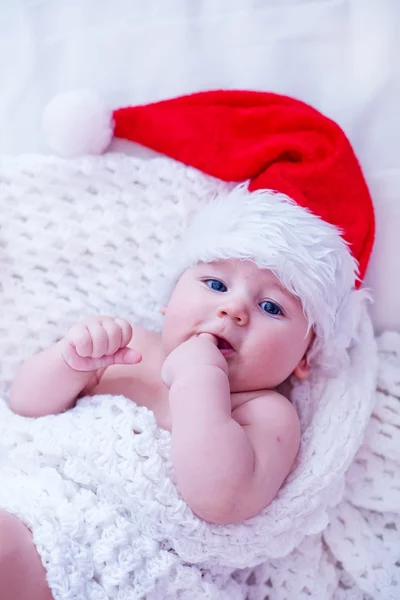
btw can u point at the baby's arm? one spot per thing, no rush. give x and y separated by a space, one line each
50 382
46 384
227 469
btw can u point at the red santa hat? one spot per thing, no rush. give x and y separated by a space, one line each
275 142
309 217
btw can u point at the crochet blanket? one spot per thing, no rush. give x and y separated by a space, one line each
96 484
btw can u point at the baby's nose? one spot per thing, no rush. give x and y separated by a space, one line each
235 310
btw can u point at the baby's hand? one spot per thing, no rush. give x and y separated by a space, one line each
194 354
97 343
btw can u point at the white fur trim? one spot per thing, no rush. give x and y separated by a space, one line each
77 123
308 255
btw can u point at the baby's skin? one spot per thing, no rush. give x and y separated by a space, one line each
231 335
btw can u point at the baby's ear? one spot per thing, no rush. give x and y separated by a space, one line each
302 371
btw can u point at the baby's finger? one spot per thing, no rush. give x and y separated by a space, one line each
126 331
80 338
210 337
114 335
126 356
99 338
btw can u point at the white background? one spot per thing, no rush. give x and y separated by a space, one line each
342 56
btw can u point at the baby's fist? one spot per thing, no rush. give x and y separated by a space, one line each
191 356
97 343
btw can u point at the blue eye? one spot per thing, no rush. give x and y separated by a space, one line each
216 285
271 308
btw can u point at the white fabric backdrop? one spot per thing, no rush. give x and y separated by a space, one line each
339 55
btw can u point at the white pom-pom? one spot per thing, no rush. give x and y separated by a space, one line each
77 123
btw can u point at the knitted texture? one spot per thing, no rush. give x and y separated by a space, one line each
96 484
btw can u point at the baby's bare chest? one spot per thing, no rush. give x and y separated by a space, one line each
142 383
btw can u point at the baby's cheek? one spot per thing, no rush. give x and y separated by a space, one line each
272 363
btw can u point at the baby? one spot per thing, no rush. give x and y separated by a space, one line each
250 306
231 335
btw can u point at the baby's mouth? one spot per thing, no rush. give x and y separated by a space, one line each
225 347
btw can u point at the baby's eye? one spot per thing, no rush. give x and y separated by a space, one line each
271 308
216 285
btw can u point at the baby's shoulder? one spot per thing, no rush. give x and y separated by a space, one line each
267 408
273 428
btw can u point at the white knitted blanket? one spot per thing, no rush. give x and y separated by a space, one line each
96 484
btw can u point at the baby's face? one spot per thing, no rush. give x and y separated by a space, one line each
261 328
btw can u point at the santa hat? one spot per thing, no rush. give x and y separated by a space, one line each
309 217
